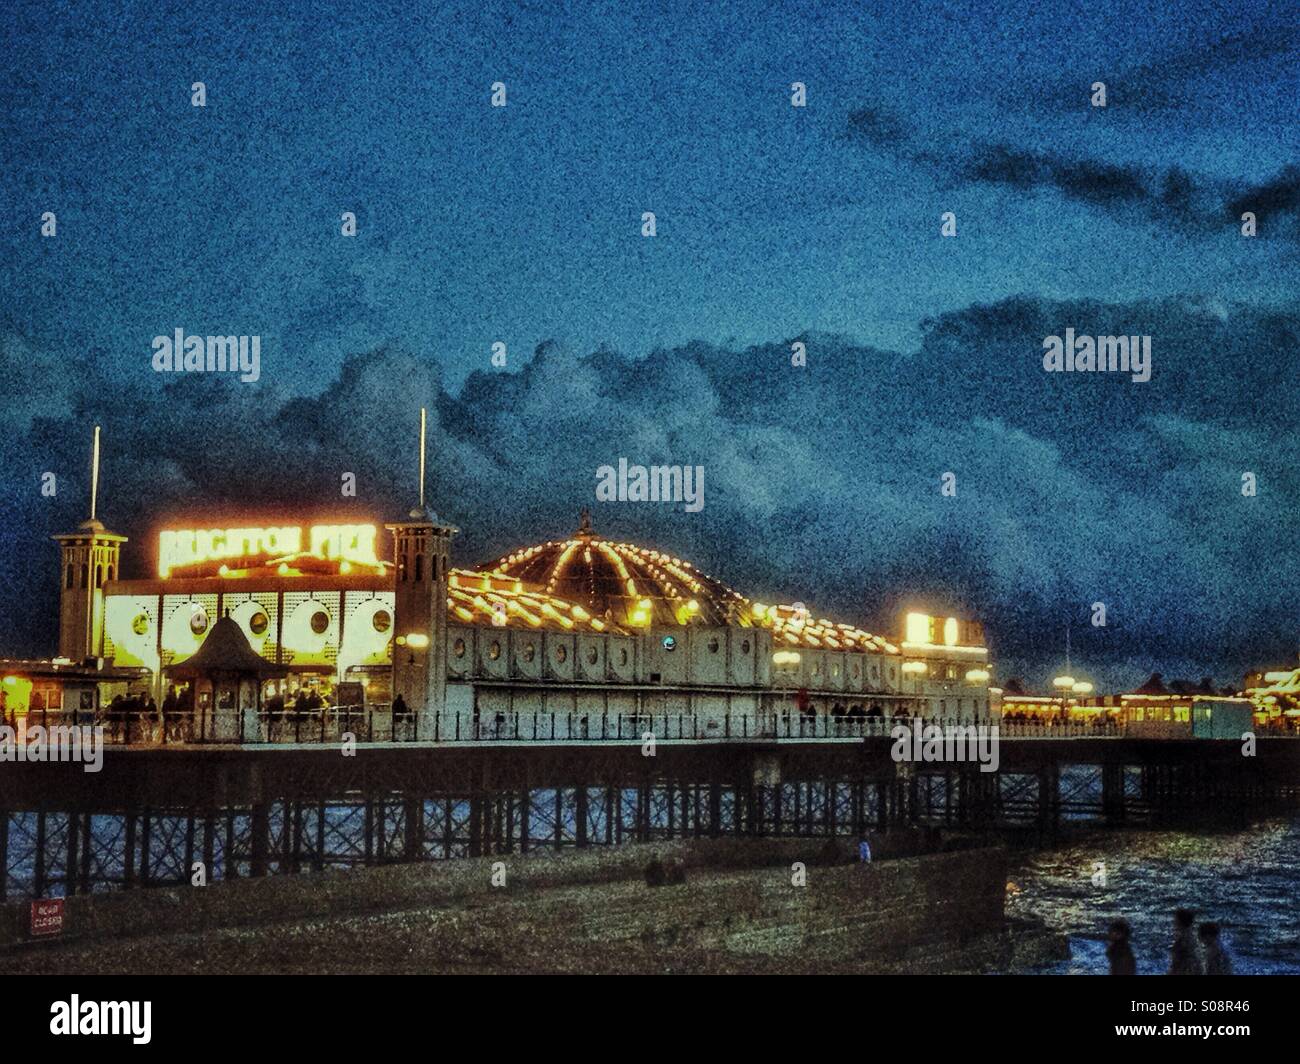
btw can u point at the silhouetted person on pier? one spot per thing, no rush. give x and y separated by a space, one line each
1118 950
399 707
1217 961
1184 957
655 873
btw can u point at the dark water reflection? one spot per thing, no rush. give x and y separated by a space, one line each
1246 880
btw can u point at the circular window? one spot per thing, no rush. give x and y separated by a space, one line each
141 624
258 623
744 646
561 653
494 651
199 621
713 645
530 652
593 655
320 621
458 648
669 642
382 620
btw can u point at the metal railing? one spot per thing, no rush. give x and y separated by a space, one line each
376 723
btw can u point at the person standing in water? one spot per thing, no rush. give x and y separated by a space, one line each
1118 950
1217 961
1184 957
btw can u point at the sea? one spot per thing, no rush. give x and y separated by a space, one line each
1245 879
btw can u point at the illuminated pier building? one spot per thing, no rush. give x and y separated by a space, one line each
572 627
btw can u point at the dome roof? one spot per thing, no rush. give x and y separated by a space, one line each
609 585
622 583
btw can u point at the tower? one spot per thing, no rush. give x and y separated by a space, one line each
421 563
89 559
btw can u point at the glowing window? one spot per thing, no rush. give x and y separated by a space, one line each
199 621
494 651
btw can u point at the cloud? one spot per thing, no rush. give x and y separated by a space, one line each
1202 206
821 483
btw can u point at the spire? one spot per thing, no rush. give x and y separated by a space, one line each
584 525
92 523
94 474
423 415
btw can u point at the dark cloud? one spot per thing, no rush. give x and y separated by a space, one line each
821 483
878 127
1202 206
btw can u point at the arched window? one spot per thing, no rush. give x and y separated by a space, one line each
67 580
110 574
99 575
85 574
419 568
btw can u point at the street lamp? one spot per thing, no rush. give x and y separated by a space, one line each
916 669
1064 684
787 664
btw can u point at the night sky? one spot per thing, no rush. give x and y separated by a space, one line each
775 224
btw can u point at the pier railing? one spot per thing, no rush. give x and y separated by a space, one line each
376 723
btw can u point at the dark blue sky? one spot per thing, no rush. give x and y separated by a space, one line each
522 225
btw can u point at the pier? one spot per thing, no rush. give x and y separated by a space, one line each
160 808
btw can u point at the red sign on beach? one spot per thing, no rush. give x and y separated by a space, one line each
47 916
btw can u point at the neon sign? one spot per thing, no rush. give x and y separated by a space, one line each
343 543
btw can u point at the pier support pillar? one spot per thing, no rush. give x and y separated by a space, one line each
1112 793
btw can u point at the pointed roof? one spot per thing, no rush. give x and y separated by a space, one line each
1154 685
226 649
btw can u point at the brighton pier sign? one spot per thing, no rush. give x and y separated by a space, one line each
179 548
